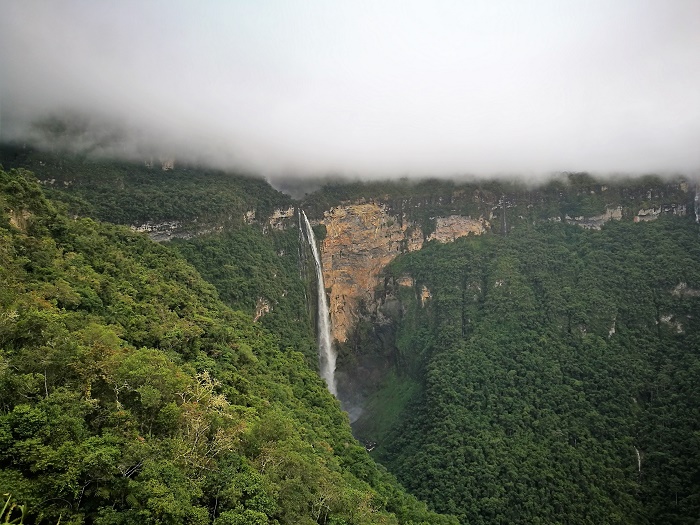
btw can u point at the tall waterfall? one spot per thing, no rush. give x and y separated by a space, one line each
326 353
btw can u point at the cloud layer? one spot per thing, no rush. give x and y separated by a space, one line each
367 88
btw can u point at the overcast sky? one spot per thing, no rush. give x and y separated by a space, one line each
369 87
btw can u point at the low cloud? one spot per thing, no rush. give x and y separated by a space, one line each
291 88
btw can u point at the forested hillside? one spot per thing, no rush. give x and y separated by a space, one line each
539 373
509 203
129 393
190 199
554 375
259 274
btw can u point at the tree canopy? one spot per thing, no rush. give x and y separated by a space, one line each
558 371
129 393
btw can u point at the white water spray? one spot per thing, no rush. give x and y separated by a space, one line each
326 353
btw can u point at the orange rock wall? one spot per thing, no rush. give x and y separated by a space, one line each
361 239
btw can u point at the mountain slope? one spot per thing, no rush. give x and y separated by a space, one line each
131 394
558 375
181 201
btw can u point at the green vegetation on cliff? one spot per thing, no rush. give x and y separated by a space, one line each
136 193
130 394
550 375
507 203
558 375
258 274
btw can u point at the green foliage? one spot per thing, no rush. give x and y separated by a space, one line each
130 394
12 512
131 193
258 274
550 357
569 194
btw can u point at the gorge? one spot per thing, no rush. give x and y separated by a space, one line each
475 355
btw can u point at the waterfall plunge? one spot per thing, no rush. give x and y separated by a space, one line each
326 353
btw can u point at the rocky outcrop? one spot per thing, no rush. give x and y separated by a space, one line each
168 230
425 296
165 228
596 222
671 321
653 213
683 290
405 280
52 182
262 307
20 219
361 239
280 218
447 229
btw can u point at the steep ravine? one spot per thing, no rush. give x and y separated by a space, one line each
363 237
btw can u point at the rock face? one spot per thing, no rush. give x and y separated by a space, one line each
425 296
447 229
651 214
262 307
596 222
361 239
19 219
169 230
280 218
160 231
163 231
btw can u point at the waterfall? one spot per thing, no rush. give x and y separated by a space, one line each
326 353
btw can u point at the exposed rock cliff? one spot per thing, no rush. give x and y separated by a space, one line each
19 219
362 236
653 213
448 229
162 231
280 218
361 239
262 307
596 222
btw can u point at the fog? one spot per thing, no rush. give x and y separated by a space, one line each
382 88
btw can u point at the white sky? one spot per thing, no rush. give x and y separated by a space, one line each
370 87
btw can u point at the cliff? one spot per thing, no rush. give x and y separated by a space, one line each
448 229
280 219
596 222
361 240
364 235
